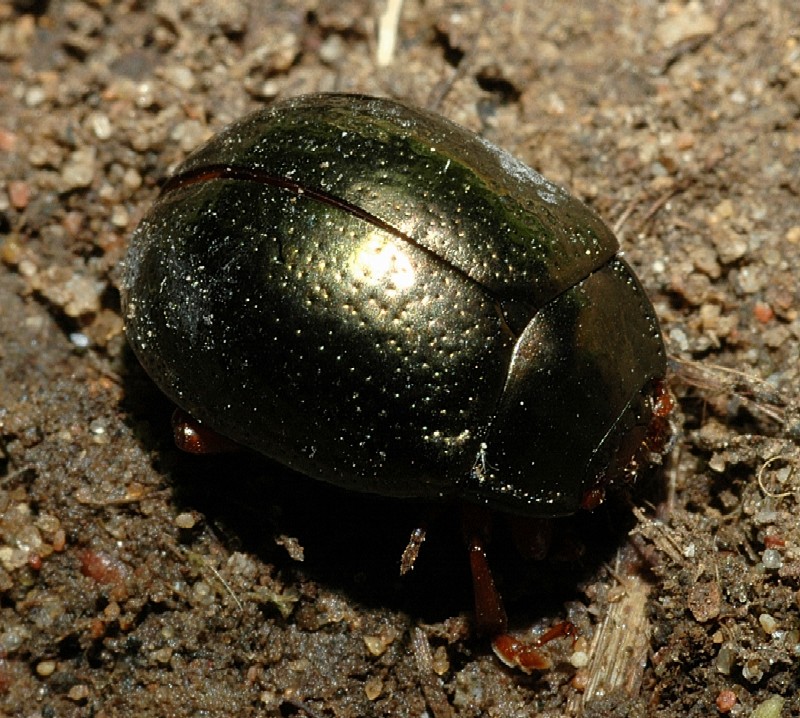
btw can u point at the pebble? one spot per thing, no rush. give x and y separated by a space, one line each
34 96
79 170
373 687
8 140
770 708
181 77
79 692
726 700
768 623
201 594
185 520
579 659
19 193
689 22
101 125
162 655
189 135
771 559
132 179
45 668
120 217
79 339
440 662
76 294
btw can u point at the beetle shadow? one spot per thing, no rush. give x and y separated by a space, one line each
354 542
351 542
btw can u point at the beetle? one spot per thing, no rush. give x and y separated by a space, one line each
378 298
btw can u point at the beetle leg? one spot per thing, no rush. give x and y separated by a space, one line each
490 614
195 438
526 656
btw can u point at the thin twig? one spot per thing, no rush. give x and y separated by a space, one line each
388 24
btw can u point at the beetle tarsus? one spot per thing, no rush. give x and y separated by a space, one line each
516 653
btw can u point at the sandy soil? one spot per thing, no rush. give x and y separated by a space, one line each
138 581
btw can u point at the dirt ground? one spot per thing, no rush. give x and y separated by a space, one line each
135 580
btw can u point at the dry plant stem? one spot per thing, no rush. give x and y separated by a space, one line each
621 643
387 32
757 394
430 683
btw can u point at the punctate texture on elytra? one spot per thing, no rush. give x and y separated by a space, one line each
378 298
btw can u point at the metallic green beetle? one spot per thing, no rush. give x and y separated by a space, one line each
378 298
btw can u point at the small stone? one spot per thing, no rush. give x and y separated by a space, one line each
162 655
11 639
8 140
685 141
79 170
331 49
100 125
717 463
375 645
687 23
292 546
120 217
724 209
35 96
726 700
181 77
440 661
770 708
77 295
753 671
768 623
704 600
751 280
185 520
730 245
45 668
373 687
771 559
201 594
132 179
724 660
79 692
189 134
579 659
59 540
19 193
79 339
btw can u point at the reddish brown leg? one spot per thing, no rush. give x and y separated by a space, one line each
526 656
194 438
490 615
